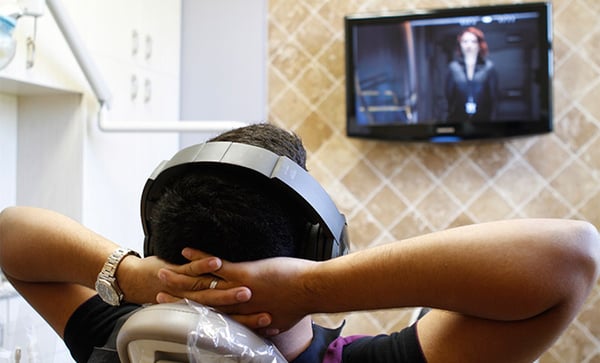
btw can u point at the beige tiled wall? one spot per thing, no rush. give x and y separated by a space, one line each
392 190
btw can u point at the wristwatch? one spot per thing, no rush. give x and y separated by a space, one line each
106 284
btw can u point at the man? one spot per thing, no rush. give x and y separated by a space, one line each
502 291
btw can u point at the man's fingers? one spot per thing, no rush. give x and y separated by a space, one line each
174 281
199 267
259 322
211 297
193 254
253 321
163 298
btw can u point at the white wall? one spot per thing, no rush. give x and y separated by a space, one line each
8 150
50 153
116 167
223 62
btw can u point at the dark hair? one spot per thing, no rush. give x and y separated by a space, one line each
269 137
483 46
228 213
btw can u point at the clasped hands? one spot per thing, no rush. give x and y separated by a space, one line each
266 296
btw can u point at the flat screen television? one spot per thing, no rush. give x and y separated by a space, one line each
450 74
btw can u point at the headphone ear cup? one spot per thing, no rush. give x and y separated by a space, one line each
310 242
343 246
148 249
317 245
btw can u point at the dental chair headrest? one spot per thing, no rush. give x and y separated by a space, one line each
189 332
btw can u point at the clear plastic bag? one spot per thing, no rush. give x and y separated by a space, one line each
220 339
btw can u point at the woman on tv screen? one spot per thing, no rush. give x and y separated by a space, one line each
472 82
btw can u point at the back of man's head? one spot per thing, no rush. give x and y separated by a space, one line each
231 214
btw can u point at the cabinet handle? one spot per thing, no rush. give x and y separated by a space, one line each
135 42
147 90
30 52
31 46
149 44
134 87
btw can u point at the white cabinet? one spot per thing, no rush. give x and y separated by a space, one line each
160 50
144 32
136 44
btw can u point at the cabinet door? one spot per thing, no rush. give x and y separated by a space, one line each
159 97
136 44
108 25
123 81
160 36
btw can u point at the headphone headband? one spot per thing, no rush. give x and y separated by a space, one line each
320 206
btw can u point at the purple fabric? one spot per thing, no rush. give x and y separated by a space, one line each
335 349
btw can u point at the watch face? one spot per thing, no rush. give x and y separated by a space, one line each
107 292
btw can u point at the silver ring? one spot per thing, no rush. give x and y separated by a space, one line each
213 284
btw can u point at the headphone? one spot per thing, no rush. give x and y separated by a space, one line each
326 235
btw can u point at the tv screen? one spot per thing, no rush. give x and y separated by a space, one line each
450 74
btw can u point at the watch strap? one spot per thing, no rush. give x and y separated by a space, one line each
110 266
109 270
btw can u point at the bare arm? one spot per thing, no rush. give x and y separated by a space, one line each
53 262
479 270
516 283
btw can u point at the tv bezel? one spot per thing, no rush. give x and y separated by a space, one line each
443 131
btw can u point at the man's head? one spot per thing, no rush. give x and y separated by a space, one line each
229 213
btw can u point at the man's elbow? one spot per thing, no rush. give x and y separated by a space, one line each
592 237
586 252
6 216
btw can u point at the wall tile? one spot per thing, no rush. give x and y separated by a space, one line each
413 182
490 206
464 181
316 78
590 100
547 204
365 227
579 192
592 155
491 157
388 157
575 83
385 206
438 208
576 129
362 181
547 156
315 132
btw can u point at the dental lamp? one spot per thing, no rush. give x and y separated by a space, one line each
8 45
92 73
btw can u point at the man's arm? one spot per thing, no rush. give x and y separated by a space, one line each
505 290
53 262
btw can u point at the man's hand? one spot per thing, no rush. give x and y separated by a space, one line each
138 278
267 290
